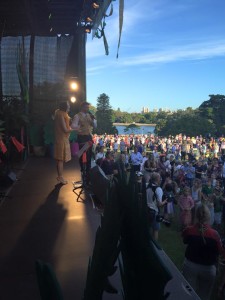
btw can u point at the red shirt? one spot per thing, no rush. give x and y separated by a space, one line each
202 247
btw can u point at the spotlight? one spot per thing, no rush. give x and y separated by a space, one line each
73 99
88 28
95 5
73 85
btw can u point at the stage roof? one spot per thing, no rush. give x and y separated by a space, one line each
46 17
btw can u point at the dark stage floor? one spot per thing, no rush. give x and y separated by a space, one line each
43 220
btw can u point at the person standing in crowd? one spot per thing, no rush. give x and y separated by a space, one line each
223 172
145 158
154 194
100 156
120 166
62 152
183 150
115 146
162 167
155 154
189 172
85 121
122 146
199 169
202 252
169 195
150 166
222 147
219 201
186 204
136 159
108 165
207 192
196 194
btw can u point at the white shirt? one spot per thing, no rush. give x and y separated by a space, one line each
99 155
75 122
143 162
153 204
136 158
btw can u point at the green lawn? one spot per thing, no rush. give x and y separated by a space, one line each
171 242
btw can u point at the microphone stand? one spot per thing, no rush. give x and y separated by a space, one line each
81 184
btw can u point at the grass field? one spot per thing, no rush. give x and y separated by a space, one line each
171 242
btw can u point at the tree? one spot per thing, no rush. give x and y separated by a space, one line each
213 110
104 115
188 122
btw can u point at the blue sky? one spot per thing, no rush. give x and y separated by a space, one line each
172 55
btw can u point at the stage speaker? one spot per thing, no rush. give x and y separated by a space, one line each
100 183
177 287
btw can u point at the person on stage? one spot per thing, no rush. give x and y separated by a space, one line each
85 121
62 127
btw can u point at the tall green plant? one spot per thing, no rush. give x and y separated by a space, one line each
124 229
13 115
106 249
104 115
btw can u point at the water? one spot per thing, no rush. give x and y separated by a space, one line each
143 129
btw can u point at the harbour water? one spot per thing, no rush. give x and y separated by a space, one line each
141 129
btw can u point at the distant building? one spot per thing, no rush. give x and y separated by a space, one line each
145 110
163 109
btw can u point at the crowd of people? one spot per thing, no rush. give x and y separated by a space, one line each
183 174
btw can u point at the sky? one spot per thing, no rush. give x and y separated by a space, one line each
171 56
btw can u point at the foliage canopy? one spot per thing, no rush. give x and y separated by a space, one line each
208 118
